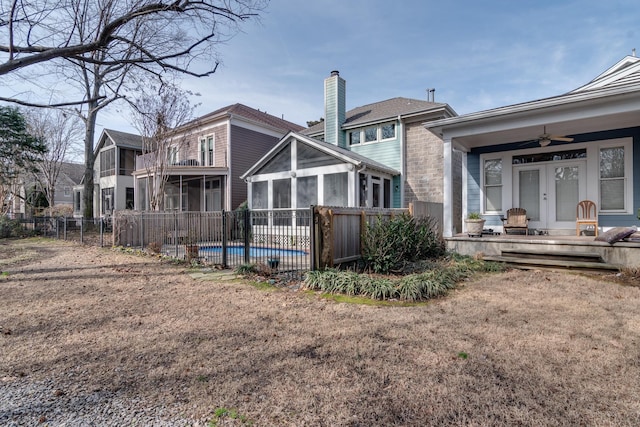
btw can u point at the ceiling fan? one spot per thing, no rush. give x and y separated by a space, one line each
545 139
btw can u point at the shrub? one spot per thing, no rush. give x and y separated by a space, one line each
432 283
11 228
388 245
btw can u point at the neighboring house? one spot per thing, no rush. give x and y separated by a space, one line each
548 154
115 160
204 169
301 171
69 176
389 134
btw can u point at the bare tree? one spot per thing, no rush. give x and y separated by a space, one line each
102 50
161 118
60 131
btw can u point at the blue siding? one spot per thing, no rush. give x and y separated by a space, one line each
387 152
473 182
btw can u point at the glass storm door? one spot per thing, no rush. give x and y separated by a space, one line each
550 193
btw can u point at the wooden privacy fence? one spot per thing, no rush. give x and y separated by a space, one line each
337 233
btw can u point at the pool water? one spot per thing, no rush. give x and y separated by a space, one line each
254 251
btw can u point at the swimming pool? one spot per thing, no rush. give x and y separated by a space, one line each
254 251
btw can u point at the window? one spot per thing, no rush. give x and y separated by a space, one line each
371 134
77 201
67 191
388 131
307 191
309 157
259 194
362 185
612 179
282 193
128 201
143 201
354 137
387 193
336 189
108 162
127 161
207 155
107 201
172 155
281 162
493 185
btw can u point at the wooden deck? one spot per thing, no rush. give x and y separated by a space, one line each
549 251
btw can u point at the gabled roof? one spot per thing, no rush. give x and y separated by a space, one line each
120 139
74 171
624 72
241 110
620 81
384 110
346 156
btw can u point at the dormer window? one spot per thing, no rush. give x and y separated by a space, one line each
354 137
371 134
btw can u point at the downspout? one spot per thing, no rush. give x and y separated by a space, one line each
403 159
227 181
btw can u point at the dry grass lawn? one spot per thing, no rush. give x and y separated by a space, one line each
516 348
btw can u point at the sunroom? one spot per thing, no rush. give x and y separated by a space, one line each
300 172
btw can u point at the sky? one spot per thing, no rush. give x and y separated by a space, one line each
476 54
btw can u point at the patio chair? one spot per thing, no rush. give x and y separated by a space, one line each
586 214
516 219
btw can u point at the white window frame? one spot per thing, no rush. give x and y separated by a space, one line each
627 145
207 150
483 196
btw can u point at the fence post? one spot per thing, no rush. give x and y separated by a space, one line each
82 231
101 232
247 234
141 230
224 239
313 229
64 228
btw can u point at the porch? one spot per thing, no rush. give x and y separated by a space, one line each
551 251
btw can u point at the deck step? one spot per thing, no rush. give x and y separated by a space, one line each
530 262
555 255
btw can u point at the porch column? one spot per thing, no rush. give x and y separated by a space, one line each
447 197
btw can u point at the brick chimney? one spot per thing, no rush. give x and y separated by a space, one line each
334 109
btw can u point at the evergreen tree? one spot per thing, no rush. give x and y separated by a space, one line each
19 150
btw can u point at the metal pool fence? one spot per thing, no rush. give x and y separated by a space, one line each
278 239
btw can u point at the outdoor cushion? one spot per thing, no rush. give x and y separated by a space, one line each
615 234
635 237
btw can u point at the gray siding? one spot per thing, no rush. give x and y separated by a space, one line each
247 147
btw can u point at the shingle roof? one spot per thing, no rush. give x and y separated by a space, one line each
75 171
254 115
124 138
378 111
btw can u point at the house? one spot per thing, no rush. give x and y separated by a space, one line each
115 155
207 158
547 155
301 171
403 161
28 191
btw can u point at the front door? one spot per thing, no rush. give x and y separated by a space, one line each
550 193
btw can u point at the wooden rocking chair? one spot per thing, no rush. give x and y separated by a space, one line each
586 214
516 220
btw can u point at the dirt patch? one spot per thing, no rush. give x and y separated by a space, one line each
521 347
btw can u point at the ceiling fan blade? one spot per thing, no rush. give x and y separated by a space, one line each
561 138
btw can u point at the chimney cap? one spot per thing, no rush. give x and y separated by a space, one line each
335 73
